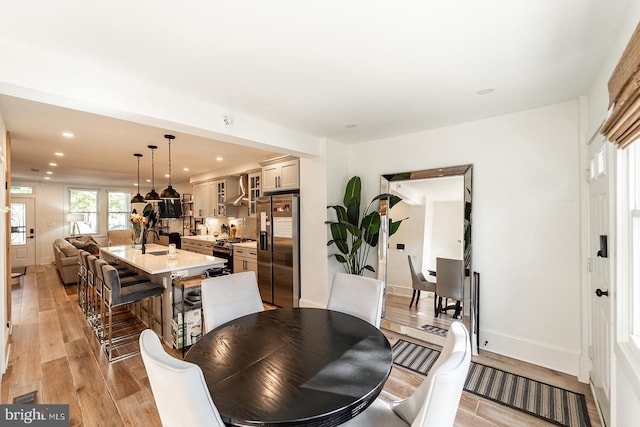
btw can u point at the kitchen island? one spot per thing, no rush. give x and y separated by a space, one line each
159 267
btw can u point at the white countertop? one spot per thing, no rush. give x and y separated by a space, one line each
156 264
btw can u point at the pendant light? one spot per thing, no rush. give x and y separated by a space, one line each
152 195
138 197
169 192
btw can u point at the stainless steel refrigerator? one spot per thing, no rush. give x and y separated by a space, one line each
278 249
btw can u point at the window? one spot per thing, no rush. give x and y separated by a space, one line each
119 207
85 202
18 223
17 189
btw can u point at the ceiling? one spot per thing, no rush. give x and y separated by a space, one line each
347 71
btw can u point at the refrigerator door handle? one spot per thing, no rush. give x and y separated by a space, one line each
264 241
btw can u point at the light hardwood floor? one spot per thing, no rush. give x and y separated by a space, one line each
54 353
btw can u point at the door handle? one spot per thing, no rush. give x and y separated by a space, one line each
600 293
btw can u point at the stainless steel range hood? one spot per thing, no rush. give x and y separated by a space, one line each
240 197
237 201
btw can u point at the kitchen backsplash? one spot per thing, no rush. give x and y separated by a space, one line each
246 228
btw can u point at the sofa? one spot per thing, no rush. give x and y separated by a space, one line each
66 256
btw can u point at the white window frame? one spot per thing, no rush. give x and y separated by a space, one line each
127 196
97 210
627 287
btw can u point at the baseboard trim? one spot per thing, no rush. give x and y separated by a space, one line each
530 351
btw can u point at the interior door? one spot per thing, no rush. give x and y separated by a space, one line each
600 174
22 232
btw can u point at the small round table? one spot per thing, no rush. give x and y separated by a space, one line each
293 367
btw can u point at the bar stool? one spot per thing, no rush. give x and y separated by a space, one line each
125 280
90 290
114 295
82 280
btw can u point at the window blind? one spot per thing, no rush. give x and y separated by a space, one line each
622 127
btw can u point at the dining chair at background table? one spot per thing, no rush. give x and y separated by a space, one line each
449 284
178 387
435 402
228 297
420 283
357 295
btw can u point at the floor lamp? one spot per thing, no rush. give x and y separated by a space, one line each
73 219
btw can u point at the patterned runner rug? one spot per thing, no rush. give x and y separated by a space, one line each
553 404
434 330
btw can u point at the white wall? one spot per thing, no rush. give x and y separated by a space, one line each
525 222
448 229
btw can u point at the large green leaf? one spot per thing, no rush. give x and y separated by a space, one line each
352 191
340 258
341 212
394 226
353 229
357 244
393 199
371 227
353 212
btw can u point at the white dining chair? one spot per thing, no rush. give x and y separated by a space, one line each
228 297
178 387
357 295
435 402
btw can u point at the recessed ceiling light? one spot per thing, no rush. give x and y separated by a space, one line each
185 169
53 164
166 175
67 134
486 91
135 184
351 126
47 177
49 173
219 159
148 180
59 154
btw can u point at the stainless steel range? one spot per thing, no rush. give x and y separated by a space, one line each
223 248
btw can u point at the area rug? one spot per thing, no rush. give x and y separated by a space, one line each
434 330
553 404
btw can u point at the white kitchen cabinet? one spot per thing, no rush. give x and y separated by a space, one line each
218 191
202 200
255 178
245 259
281 174
197 246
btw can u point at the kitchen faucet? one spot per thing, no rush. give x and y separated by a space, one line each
144 238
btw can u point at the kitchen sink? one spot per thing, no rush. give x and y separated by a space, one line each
158 253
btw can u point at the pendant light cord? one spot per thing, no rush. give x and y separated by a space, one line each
169 162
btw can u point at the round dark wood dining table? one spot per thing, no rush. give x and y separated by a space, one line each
293 367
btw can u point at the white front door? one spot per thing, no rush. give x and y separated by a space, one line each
23 235
601 175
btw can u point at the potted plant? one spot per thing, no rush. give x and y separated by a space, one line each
354 234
